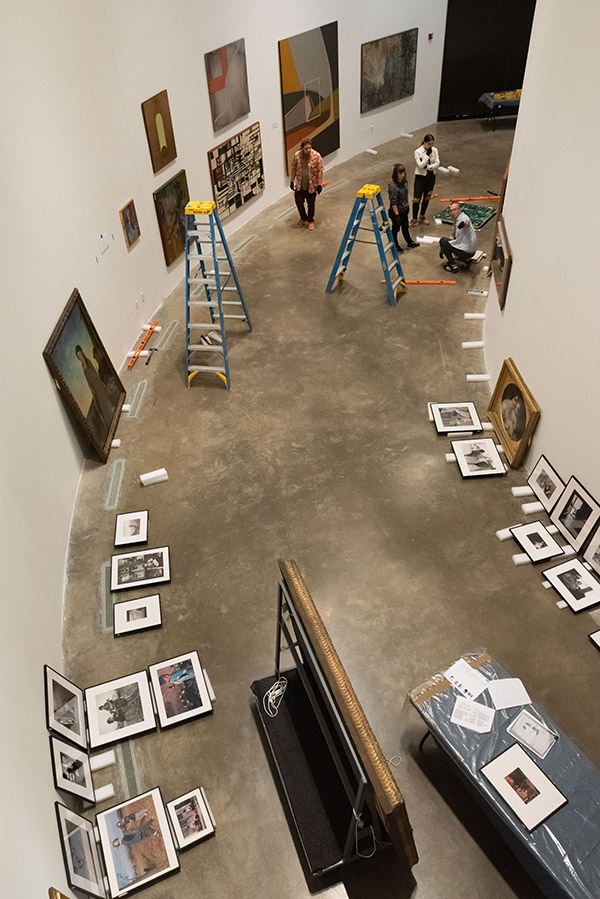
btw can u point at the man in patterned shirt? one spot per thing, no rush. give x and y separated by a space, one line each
306 180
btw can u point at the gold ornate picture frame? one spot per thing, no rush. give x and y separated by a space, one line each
513 412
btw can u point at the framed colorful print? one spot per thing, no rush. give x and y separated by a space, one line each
179 689
575 514
577 586
131 527
514 413
501 261
527 791
227 83
170 201
138 569
64 707
478 458
159 130
85 376
136 615
537 541
451 418
129 224
308 68
236 170
388 69
80 853
191 818
136 843
71 767
119 709
546 483
592 552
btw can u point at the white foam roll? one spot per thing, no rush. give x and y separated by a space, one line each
532 508
450 457
141 353
116 443
561 604
102 793
476 316
103 760
453 169
522 491
429 412
546 585
406 134
521 559
372 152
499 447
504 533
487 426
552 529
486 268
443 169
125 407
569 550
472 344
473 378
147 325
154 477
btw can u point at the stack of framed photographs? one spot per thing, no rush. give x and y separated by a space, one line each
137 569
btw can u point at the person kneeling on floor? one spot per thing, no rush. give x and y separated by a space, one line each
462 244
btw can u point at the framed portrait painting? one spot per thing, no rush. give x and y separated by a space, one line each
80 853
513 412
575 514
170 201
84 374
501 261
159 130
129 224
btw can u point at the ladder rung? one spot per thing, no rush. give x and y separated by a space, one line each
213 305
379 209
235 316
207 256
205 234
395 283
207 368
204 348
388 245
393 264
212 325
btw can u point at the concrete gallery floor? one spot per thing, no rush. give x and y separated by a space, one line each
322 452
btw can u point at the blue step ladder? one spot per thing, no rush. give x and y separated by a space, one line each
205 290
369 196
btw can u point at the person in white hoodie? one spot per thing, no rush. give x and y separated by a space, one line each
427 161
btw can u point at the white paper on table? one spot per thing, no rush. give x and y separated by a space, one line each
532 733
508 693
473 715
466 679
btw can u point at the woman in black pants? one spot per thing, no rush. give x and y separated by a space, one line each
398 211
427 161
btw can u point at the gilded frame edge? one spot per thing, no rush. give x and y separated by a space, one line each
513 453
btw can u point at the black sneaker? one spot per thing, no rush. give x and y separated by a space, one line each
399 250
411 246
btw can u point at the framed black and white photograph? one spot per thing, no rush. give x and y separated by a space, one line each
450 418
138 569
595 638
131 527
180 689
136 842
592 552
524 787
64 707
191 818
477 458
80 853
119 709
530 731
577 586
546 483
537 541
71 767
134 615
575 514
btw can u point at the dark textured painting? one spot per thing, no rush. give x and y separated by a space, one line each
308 65
227 84
236 170
170 201
388 68
159 130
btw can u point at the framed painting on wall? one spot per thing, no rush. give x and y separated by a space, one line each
308 68
130 224
236 170
170 201
159 130
227 83
84 374
514 413
501 261
387 69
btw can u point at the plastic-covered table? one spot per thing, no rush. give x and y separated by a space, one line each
498 100
563 853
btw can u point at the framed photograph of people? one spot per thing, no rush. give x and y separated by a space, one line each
64 707
134 615
592 552
191 818
179 689
129 224
501 261
528 792
537 541
71 767
450 418
513 412
80 853
136 842
546 483
478 458
119 709
138 569
85 376
131 527
575 514
577 586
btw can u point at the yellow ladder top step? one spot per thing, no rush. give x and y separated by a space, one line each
369 191
194 207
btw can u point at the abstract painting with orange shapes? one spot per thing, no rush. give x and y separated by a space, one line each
227 83
308 66
159 130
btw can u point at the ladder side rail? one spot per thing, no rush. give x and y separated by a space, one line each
212 219
377 207
347 244
231 267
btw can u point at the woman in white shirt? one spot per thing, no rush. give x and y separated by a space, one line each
427 161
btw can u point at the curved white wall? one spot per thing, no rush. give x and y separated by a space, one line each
73 152
551 322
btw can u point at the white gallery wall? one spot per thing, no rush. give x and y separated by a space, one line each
550 325
73 152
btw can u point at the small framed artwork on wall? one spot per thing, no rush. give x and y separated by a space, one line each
501 261
159 130
130 224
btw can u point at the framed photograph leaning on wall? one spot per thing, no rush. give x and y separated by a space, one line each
513 412
546 483
576 514
501 261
